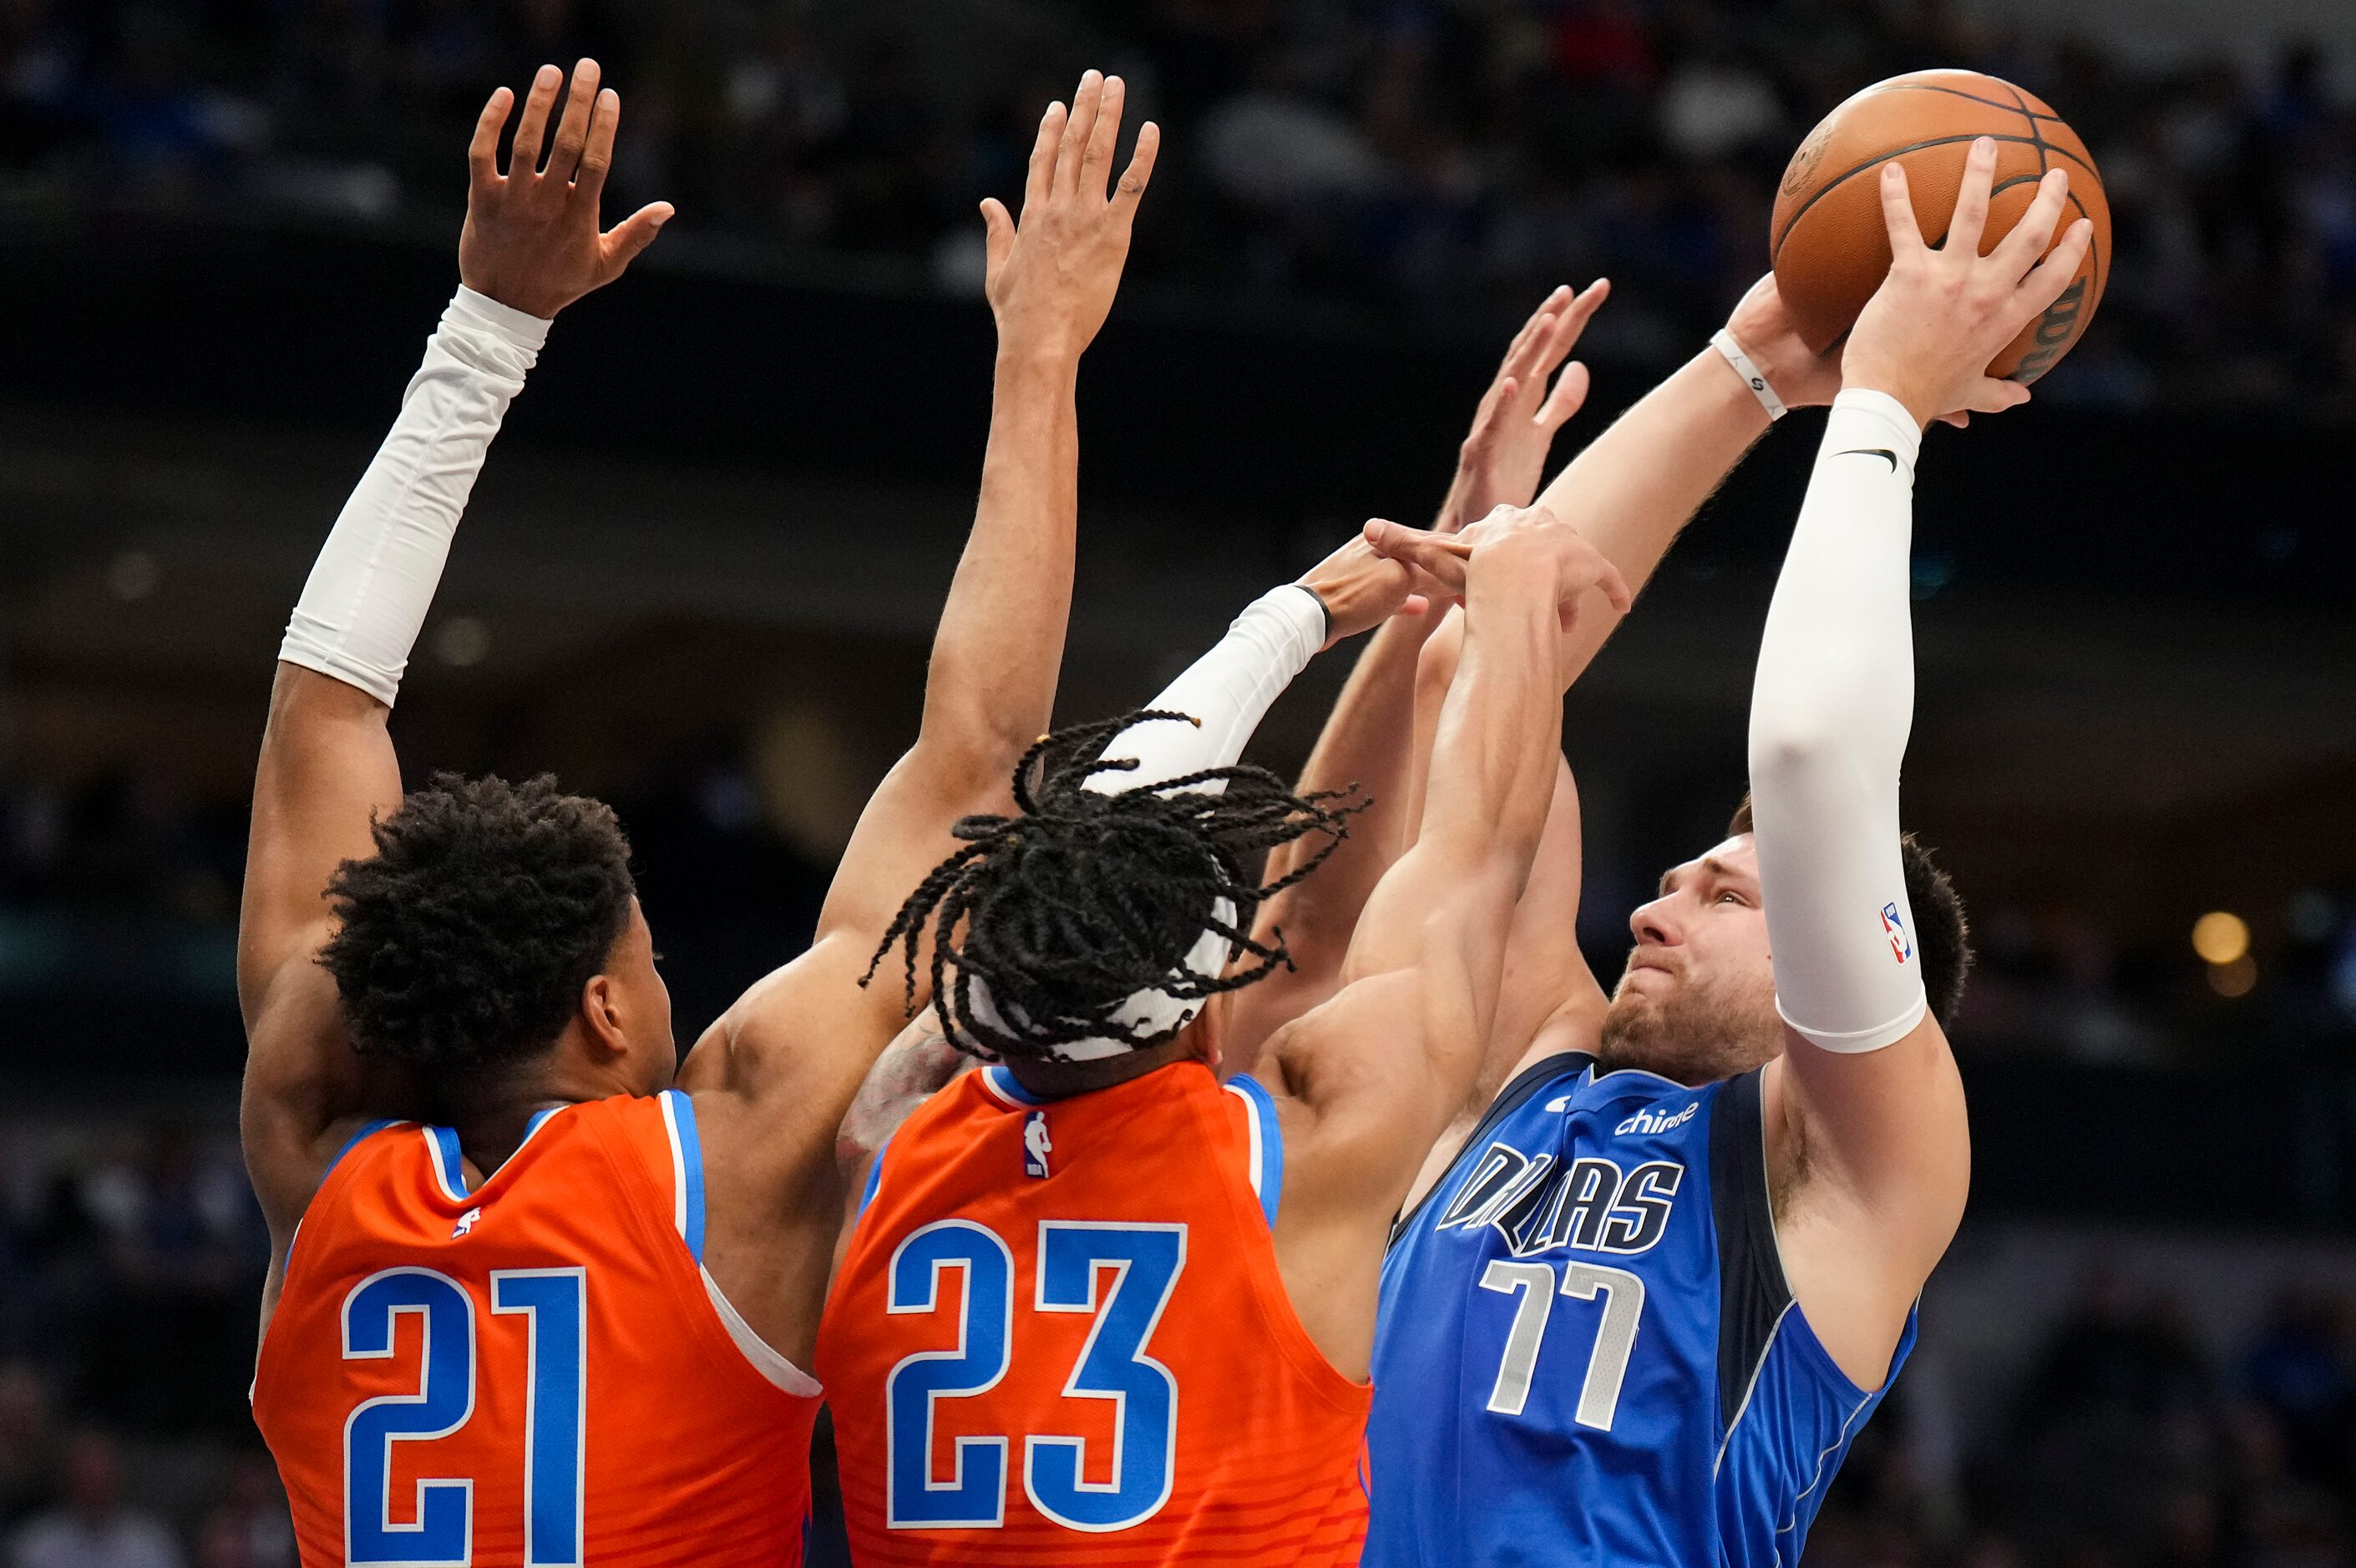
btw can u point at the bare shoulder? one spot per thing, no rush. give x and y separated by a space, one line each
301 1077
1868 1164
1352 1089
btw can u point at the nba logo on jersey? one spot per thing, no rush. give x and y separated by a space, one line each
1035 1143
1895 929
466 1224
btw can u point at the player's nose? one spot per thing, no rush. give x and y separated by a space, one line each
1651 924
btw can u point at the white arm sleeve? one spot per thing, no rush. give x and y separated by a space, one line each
1830 710
367 597
1229 690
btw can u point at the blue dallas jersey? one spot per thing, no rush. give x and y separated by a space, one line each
1587 1356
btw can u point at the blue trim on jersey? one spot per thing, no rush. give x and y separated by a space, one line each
538 1120
1267 1143
367 1130
874 1176
1005 1083
449 1162
680 1111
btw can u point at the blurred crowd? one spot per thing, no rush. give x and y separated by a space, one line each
2125 1442
1391 161
131 1263
118 909
2057 982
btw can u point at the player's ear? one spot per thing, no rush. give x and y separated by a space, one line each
601 1014
1207 1035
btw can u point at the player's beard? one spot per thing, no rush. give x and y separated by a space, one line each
1697 1031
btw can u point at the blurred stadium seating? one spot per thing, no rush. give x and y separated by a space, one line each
699 570
1416 157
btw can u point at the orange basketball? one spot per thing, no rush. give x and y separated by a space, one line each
1827 242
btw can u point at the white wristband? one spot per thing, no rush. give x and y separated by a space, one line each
1752 378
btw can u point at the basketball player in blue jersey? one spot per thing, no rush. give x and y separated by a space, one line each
1648 1291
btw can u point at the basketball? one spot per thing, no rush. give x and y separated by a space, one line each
1828 242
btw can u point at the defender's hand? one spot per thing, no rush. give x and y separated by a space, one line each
1051 281
1504 456
532 241
1361 590
1531 538
1927 335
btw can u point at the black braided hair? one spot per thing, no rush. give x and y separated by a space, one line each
1086 897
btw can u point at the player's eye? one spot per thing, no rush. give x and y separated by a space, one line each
1733 898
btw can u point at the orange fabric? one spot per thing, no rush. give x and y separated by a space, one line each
1265 1464
689 1455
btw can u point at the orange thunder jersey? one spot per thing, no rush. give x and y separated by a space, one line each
535 1372
1059 1336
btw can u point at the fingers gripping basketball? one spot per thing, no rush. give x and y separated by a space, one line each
1829 240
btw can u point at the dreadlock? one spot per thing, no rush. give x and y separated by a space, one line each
1086 897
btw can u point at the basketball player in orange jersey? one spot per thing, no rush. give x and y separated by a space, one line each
1097 1310
560 1313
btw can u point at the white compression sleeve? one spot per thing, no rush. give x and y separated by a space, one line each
1229 690
1830 710
367 597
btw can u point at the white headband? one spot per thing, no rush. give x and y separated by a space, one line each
1152 1013
1227 691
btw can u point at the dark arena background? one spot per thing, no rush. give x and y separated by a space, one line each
700 571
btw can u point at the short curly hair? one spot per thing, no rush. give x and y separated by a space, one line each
464 943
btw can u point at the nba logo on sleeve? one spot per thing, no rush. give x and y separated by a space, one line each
1895 929
1035 1143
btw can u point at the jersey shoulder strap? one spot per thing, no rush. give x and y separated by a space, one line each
1511 1098
653 1145
1753 1294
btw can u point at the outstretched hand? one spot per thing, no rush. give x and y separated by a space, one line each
1529 537
1504 456
532 241
1362 588
1927 336
1050 279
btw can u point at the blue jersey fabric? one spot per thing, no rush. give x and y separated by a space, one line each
1587 1355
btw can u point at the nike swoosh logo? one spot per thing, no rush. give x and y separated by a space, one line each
1872 452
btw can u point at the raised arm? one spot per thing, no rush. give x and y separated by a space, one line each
1629 493
1868 1149
530 247
781 1066
1367 1081
1362 745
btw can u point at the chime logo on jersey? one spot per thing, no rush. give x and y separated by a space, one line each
1538 1205
1036 1144
1657 1121
1895 929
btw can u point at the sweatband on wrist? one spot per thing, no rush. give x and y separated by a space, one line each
1831 707
1752 376
368 593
